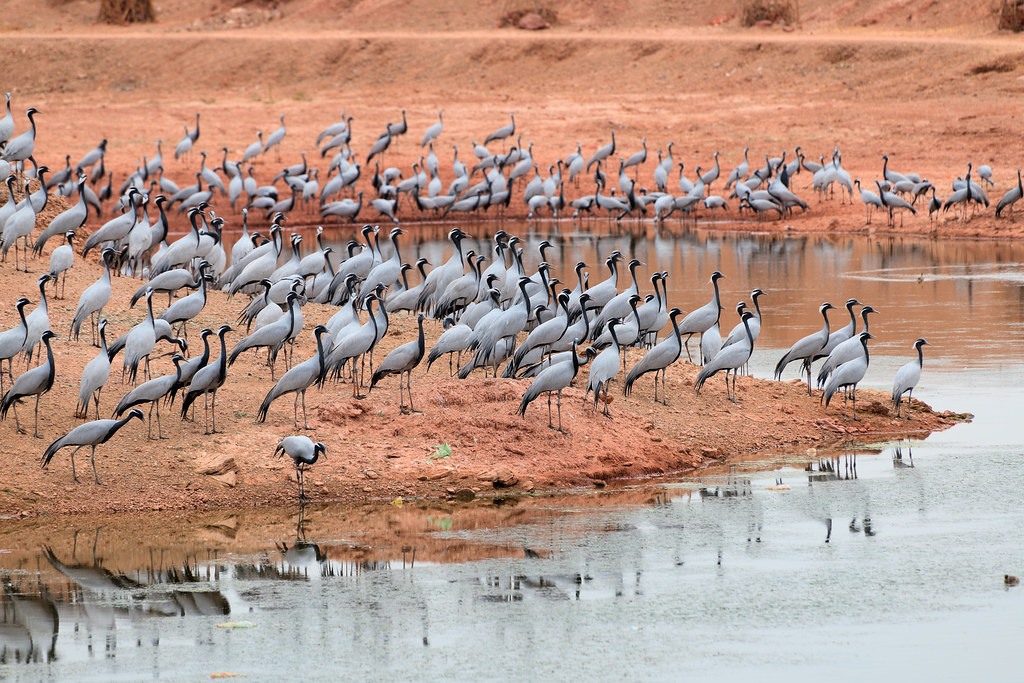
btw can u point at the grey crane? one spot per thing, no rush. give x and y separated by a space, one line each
849 374
207 381
18 226
21 147
38 321
191 366
460 292
382 143
544 335
739 332
386 272
985 173
34 382
869 198
711 341
163 333
603 369
703 318
169 282
152 392
731 358
297 380
907 378
92 300
116 228
90 434
664 353
345 208
604 291
844 351
139 343
618 305
433 130
602 153
455 339
275 138
184 146
259 264
402 361
354 345
504 132
405 299
304 453
506 326
837 337
1011 197
254 149
438 279
806 349
636 159
12 341
894 202
69 220
272 336
186 308
94 376
552 380
740 171
61 261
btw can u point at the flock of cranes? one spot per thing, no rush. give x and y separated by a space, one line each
510 181
499 316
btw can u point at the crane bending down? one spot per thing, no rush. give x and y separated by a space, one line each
89 434
303 453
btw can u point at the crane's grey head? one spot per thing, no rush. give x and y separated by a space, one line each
320 448
715 276
135 412
921 342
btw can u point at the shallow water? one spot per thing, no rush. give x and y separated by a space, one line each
884 565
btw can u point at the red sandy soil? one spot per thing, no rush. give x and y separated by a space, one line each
932 87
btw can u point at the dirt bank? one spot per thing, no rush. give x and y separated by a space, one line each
374 452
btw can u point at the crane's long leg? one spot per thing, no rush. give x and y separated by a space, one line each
550 423
92 458
906 411
35 431
560 412
149 422
159 429
74 475
295 411
305 422
408 387
17 423
213 411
